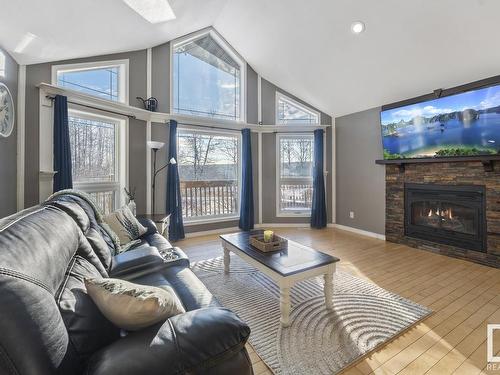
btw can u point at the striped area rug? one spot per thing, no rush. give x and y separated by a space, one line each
318 341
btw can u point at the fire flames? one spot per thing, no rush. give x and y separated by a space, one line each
443 213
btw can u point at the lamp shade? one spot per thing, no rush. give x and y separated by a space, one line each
154 145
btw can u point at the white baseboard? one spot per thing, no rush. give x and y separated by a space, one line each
286 225
282 225
358 231
213 231
236 229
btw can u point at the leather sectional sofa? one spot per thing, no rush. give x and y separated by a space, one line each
49 325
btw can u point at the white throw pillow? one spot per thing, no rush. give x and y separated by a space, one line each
125 225
132 306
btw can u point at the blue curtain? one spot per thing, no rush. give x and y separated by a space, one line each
174 199
318 210
62 150
246 207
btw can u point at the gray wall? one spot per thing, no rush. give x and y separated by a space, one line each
38 73
8 146
360 182
137 162
160 132
252 96
160 76
269 157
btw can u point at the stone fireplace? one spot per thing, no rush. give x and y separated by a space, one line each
449 208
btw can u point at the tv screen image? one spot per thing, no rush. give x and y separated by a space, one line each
464 124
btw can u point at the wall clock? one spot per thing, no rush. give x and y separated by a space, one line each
6 111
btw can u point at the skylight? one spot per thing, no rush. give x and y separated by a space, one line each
153 11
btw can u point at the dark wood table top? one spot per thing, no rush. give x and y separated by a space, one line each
294 259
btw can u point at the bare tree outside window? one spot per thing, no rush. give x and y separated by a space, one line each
93 158
208 171
295 185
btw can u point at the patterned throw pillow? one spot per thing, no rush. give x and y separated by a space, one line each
133 306
125 225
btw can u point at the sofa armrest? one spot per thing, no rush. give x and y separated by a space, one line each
142 258
194 342
149 224
146 259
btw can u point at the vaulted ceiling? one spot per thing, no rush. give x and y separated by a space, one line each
409 48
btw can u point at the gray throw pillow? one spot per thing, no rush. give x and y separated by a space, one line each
133 306
125 225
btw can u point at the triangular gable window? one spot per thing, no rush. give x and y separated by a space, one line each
289 111
208 78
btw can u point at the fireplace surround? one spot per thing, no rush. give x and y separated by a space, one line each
448 214
452 175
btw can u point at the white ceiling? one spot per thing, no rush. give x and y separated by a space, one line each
306 47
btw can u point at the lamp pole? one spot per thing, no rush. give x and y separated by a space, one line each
155 173
155 150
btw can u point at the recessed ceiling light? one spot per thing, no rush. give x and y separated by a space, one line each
153 11
357 27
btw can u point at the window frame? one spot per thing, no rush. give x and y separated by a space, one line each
279 212
123 76
234 55
121 154
279 95
215 218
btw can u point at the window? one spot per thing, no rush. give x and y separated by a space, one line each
106 80
208 78
289 111
97 148
294 180
209 172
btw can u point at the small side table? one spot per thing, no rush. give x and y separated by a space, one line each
161 220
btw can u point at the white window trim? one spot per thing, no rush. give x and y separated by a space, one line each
280 213
216 218
123 95
121 153
234 55
301 106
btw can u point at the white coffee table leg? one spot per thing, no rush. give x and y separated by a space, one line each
285 305
227 260
328 288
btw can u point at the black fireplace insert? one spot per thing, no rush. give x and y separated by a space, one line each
448 214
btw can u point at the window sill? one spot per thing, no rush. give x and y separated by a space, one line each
211 220
281 214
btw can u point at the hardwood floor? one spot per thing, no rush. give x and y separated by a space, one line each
464 296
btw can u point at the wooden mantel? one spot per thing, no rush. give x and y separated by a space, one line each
486 160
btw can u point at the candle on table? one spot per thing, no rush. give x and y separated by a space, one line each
268 235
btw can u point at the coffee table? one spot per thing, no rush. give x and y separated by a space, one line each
285 267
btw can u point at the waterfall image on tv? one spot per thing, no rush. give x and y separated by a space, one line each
464 124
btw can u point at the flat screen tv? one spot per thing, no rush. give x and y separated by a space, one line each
464 124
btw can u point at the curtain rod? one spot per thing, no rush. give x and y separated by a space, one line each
237 130
92 107
298 131
206 126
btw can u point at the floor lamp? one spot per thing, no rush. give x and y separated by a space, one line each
155 146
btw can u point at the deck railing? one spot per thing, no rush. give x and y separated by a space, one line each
209 198
296 197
